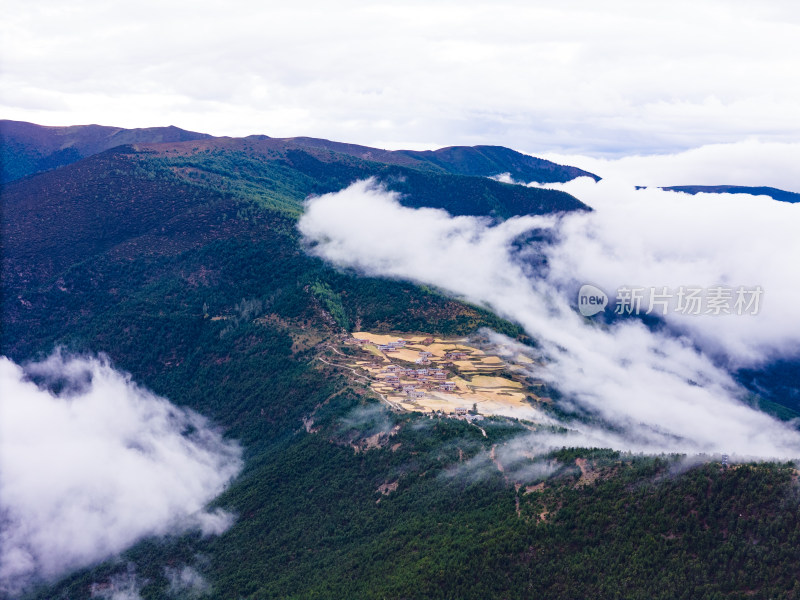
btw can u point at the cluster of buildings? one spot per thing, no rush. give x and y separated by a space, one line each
416 378
424 358
461 412
391 346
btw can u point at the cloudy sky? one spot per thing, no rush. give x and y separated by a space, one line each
597 79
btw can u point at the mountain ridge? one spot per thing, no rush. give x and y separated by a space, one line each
29 148
774 193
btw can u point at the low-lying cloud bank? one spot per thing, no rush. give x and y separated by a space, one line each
657 238
650 391
90 463
749 162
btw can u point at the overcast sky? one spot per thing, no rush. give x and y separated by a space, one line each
602 79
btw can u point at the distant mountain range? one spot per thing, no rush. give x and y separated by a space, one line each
776 194
28 148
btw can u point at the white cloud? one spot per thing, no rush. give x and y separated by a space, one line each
580 77
122 586
89 470
211 522
657 238
749 163
186 582
659 391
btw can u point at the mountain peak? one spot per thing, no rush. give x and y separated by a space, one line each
28 148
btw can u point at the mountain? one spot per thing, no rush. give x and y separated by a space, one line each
26 148
119 195
480 161
774 193
182 262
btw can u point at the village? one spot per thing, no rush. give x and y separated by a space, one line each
444 377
